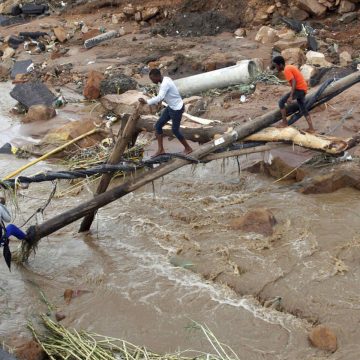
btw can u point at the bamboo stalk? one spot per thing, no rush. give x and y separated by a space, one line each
52 152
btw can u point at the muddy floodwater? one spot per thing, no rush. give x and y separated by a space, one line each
134 292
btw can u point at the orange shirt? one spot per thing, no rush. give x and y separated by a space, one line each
292 72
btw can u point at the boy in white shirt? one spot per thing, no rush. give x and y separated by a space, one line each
170 94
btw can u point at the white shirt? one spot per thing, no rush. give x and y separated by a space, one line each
168 92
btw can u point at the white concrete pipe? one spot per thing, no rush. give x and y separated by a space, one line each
242 73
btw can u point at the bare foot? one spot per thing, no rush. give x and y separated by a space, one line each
282 125
310 131
187 151
158 153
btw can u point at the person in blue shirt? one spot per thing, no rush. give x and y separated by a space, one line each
6 231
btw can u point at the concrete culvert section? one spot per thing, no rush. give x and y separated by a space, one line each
241 73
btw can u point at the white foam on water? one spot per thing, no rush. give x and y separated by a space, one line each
191 283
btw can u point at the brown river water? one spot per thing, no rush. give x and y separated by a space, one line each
135 293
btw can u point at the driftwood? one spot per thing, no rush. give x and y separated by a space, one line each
35 233
328 144
196 133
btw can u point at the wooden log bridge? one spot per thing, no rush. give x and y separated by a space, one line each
35 233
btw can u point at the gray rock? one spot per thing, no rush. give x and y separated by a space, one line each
20 67
32 93
117 84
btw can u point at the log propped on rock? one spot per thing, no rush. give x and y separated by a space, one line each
328 144
35 233
193 132
203 134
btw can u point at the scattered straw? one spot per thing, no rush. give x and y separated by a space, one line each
61 343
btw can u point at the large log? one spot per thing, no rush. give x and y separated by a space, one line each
196 133
36 232
328 144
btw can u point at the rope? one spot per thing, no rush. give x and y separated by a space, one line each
41 209
126 166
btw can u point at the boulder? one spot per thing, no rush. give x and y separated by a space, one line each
33 93
313 7
317 58
21 67
218 61
308 71
260 17
70 131
328 183
92 86
241 32
294 56
39 113
129 10
286 34
345 58
298 14
149 13
279 168
346 6
323 338
259 221
299 42
122 104
271 9
4 71
30 350
117 84
60 34
266 35
8 53
59 316
7 6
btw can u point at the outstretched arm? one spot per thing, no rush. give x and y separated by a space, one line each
160 97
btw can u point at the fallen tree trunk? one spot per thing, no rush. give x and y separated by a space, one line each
328 144
200 134
35 233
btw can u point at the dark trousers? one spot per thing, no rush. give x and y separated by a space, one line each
167 115
299 95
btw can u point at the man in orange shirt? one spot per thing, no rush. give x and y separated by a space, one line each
298 91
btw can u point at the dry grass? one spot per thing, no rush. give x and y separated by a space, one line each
61 343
